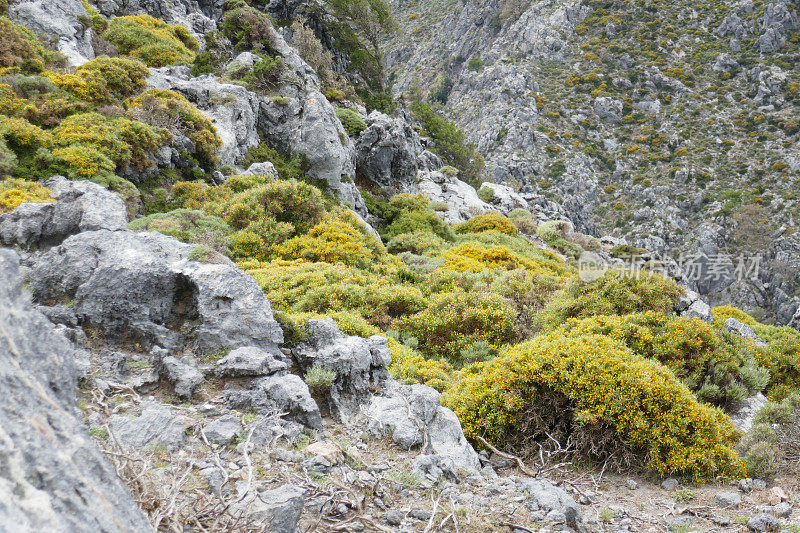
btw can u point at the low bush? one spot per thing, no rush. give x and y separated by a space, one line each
16 191
597 391
299 286
104 80
456 320
419 242
418 221
718 369
488 222
152 40
188 225
169 110
618 292
772 445
21 50
352 121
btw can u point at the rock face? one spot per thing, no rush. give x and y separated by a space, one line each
79 206
361 365
413 416
231 108
156 425
461 199
144 287
732 325
278 393
690 305
54 478
60 19
390 153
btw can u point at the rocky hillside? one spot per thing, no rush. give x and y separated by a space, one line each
352 266
673 126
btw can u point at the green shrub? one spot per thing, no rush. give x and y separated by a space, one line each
420 243
616 293
475 63
288 166
266 74
598 391
718 369
488 222
248 28
319 379
626 251
553 230
20 49
169 110
152 40
419 222
455 320
188 225
449 142
486 194
352 121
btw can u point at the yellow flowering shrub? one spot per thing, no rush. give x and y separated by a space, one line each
10 103
118 139
325 288
334 241
617 292
16 191
104 79
152 40
456 320
609 388
488 222
546 261
472 257
85 161
781 355
22 135
717 368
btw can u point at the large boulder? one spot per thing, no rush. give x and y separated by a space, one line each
143 289
53 477
414 417
278 393
389 153
59 19
360 364
737 327
231 108
462 200
79 206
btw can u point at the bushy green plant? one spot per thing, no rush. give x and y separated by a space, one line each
319 379
419 221
455 320
475 63
266 74
152 40
171 111
719 369
20 49
486 194
419 242
449 142
188 225
608 392
617 292
248 28
352 121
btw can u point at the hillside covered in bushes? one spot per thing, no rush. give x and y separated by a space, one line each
272 142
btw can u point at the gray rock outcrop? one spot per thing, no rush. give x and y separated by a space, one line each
361 365
461 199
414 416
231 108
560 508
78 206
198 16
389 153
61 19
156 425
53 477
141 287
733 325
278 393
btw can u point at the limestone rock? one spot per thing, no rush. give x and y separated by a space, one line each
60 19
79 206
156 425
